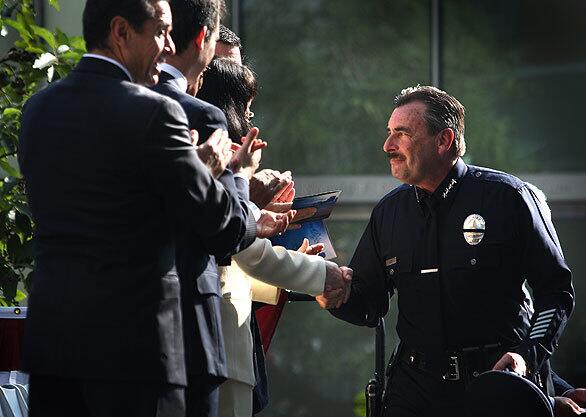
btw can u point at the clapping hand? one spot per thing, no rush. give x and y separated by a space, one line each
215 153
337 287
270 188
308 249
270 223
247 156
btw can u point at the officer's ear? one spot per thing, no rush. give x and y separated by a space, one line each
445 140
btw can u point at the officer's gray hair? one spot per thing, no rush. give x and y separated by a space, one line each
442 111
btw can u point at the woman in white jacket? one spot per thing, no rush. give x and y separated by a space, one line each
231 86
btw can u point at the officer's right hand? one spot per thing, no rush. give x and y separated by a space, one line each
512 361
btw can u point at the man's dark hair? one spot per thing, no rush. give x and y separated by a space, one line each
98 14
190 16
442 111
230 86
228 37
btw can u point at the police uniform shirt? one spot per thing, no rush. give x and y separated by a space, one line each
457 260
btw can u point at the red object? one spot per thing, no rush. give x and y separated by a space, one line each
11 331
267 318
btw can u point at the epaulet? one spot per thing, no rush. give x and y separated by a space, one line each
393 193
492 175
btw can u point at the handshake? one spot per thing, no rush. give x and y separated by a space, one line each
337 286
338 279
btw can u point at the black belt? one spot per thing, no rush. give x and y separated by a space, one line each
462 365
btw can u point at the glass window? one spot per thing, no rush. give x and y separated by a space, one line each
328 71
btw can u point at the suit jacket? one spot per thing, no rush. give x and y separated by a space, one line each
271 264
109 166
204 344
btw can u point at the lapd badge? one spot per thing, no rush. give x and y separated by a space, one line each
474 227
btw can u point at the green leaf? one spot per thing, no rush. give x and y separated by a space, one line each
46 35
77 42
23 208
61 37
19 26
8 284
19 296
23 223
9 169
55 4
11 112
34 49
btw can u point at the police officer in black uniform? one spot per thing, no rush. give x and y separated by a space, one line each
456 243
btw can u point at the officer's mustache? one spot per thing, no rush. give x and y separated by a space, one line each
395 155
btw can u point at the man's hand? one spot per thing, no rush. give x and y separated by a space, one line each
578 395
302 214
246 159
268 186
512 361
308 249
215 153
337 286
565 407
283 202
270 224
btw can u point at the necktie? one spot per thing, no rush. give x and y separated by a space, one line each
429 238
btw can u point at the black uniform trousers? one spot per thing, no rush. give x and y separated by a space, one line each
51 396
415 393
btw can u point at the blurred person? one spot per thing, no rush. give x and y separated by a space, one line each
456 242
274 191
108 166
229 45
195 30
232 87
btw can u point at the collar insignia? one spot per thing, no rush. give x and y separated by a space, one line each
449 188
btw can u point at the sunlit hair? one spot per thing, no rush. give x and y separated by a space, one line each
98 14
190 16
230 86
228 37
442 111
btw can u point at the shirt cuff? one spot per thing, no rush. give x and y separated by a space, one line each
241 175
254 209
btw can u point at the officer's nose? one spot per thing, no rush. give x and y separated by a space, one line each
390 144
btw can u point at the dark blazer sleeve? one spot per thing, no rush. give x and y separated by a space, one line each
189 191
211 119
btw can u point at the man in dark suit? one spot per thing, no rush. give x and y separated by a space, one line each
109 167
195 31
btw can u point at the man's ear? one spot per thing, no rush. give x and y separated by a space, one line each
119 31
200 37
445 140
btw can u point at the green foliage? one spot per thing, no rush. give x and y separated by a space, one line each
37 58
